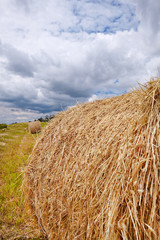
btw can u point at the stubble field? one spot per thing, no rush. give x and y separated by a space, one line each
16 144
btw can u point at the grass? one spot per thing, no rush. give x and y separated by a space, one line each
3 125
16 145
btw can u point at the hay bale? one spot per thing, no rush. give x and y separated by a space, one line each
95 171
34 127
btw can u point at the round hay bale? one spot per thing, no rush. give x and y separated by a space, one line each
34 127
95 171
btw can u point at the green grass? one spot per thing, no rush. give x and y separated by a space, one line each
16 145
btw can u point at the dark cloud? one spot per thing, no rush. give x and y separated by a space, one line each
25 4
21 68
72 91
18 62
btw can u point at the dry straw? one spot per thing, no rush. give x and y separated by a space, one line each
34 127
95 171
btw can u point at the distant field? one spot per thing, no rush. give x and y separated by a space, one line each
16 145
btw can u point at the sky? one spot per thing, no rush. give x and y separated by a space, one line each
57 53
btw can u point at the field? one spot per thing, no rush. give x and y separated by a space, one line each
16 145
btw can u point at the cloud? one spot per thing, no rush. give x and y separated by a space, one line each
18 62
55 53
103 16
18 115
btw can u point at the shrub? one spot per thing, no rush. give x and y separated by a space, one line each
3 125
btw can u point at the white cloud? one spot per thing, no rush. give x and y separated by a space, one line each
55 53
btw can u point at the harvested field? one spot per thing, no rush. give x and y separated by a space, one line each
95 171
3 134
15 147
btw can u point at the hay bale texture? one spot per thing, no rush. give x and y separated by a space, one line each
34 127
95 171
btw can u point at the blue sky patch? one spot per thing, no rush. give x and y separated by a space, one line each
116 81
104 17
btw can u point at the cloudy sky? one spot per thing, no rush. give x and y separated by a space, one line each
56 53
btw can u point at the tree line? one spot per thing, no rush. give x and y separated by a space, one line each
47 118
